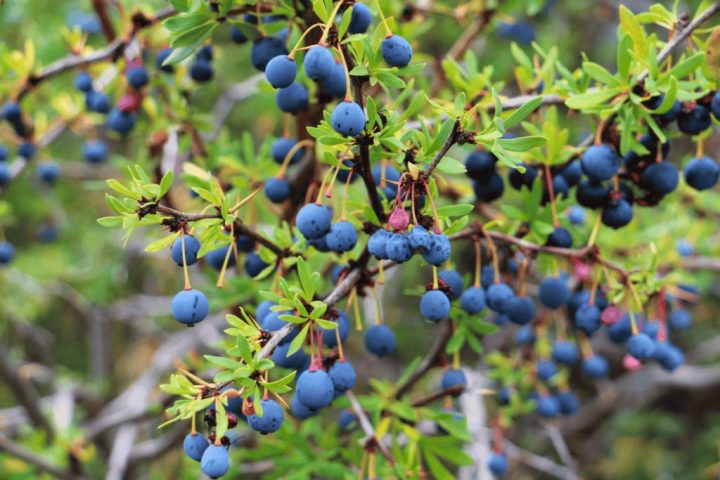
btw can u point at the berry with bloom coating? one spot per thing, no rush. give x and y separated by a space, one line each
292 99
95 151
396 51
7 253
455 281
194 445
189 306
121 122
296 361
554 292
480 165
434 305
420 238
280 72
201 71
701 173
360 19
300 411
498 464
498 297
453 378
48 171
568 402
377 244
277 190
438 251
660 178
313 221
254 265
595 367
565 352
588 319
520 310
335 84
398 248
138 77
473 300
600 162
318 62
315 389
265 49
329 336
641 346
348 118
343 376
281 148
617 214
548 406
380 340
694 121
680 319
192 247
83 82
215 461
545 369
342 237
271 419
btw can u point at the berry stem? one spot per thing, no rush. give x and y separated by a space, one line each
388 32
381 273
436 220
412 203
318 199
221 279
494 255
291 55
595 230
478 261
288 156
348 86
551 192
339 342
599 132
194 377
586 349
335 170
371 466
593 289
378 308
662 316
699 148
184 261
456 360
521 276
435 277
330 21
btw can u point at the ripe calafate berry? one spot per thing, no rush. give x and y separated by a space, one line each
480 165
398 248
194 445
265 49
525 336
48 171
138 77
587 319
380 340
617 214
498 464
83 82
695 120
660 178
95 151
454 280
26 150
560 237
519 179
313 220
360 19
391 174
453 378
591 194
669 356
329 337
296 361
576 215
473 300
396 51
572 173
280 72
300 411
121 122
595 366
438 251
292 99
491 190
554 292
189 306
548 406
163 55
318 62
565 352
201 71
600 162
7 253
545 369
420 238
11 112
282 146
314 389
641 346
348 118
520 310
342 375
277 190
97 102
254 265
272 323
216 258
335 84
192 247
434 305
568 402
701 173
271 419
215 461
377 244
342 237
680 319
498 297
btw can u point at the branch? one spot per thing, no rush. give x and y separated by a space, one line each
101 10
558 441
475 28
370 439
449 142
7 445
472 406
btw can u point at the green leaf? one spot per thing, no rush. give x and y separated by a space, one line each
223 362
451 166
122 189
161 244
182 23
166 182
110 221
523 112
689 65
591 98
599 73
298 341
455 210
389 79
521 144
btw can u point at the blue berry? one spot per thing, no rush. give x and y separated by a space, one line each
201 71
660 178
398 248
572 173
11 112
263 309
272 323
641 346
391 175
487 276
377 244
591 194
97 102
554 292
420 239
518 31
600 162
189 306
680 319
548 406
360 19
438 251
545 369
281 71
216 258
491 190
7 253
292 99
701 173
192 247
318 62
685 248
163 55
121 122
617 214
335 84
48 171
314 389
282 146
396 51
520 310
277 190
215 461
313 221
588 319
271 419
694 121
498 464
672 114
300 411
4 152
498 297
95 151
380 340
138 77
329 337
195 445
83 82
568 402
519 179
620 331
346 419
595 367
265 49
342 237
669 356
525 336
348 118
343 376
560 237
565 352
473 300
254 265
453 378
576 215
434 305
296 361
237 35
480 165
26 150
455 281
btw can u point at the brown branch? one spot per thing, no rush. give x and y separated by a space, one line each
449 142
457 389
107 26
465 39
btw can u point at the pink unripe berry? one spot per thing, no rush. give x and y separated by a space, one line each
611 315
631 363
128 103
399 219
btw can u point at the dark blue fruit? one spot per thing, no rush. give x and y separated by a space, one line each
254 265
617 214
587 319
480 165
434 305
314 389
473 300
455 281
545 369
201 71
576 215
669 356
380 340
520 310
715 106
660 178
498 297
518 31
342 237
11 112
163 55
694 121
48 171
195 445
329 337
548 406
348 118
313 220
95 151
83 82
263 309
591 194
491 190
487 276
398 248
438 251
121 122
396 51
281 71
560 237
336 84
526 178
498 464
292 99
237 35
277 190
272 323
300 411
7 253
296 361
453 378
5 174
420 239
138 77
215 461
568 402
672 114
595 367
554 292
97 102
26 150
680 319
342 375
189 306
620 331
265 49
318 62
572 173
641 346
346 419
360 19
600 162
377 244
216 258
271 420
525 335
192 247
391 175
565 352
701 173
